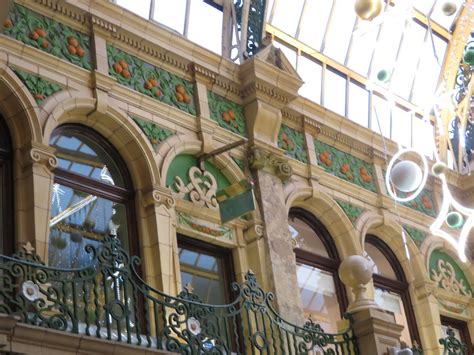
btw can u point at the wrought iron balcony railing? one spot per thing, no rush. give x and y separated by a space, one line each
109 300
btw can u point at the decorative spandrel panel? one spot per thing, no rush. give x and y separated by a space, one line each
153 132
415 234
40 88
345 166
293 143
447 274
227 114
151 80
188 182
48 35
352 212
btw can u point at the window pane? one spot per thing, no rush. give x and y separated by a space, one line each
314 22
407 61
392 302
205 26
428 72
380 116
340 29
139 7
82 155
382 264
335 92
170 13
387 45
424 132
318 296
310 72
78 219
358 104
287 15
205 273
306 238
401 126
361 51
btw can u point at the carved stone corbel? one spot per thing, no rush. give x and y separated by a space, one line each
253 232
158 196
270 162
41 154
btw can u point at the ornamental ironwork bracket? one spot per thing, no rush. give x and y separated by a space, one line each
204 157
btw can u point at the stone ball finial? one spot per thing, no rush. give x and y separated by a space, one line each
355 270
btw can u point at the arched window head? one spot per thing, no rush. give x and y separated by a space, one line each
80 152
382 265
91 197
306 237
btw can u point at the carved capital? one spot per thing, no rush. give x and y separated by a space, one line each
158 196
40 154
253 232
278 165
424 288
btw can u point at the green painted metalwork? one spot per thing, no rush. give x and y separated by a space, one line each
255 24
48 35
293 143
415 234
154 133
345 166
150 80
447 274
109 300
452 345
351 211
37 86
227 114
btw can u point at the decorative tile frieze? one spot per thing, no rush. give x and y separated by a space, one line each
447 274
293 143
48 35
204 227
227 114
154 133
150 80
423 203
345 166
37 86
415 234
352 212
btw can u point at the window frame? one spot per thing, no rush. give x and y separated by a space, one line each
221 253
6 203
329 264
125 196
399 286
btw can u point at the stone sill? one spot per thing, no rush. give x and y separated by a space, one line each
20 338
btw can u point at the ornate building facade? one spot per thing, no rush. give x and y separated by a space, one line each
105 117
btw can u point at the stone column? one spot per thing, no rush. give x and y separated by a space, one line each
33 189
270 170
158 247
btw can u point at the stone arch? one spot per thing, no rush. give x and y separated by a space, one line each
19 109
389 231
118 129
328 212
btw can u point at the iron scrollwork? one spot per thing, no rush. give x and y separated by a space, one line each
108 299
452 346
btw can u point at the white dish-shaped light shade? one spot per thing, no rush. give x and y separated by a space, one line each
449 8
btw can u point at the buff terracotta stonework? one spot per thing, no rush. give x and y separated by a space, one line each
156 96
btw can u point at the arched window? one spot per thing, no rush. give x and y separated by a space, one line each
92 197
6 187
391 287
322 294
